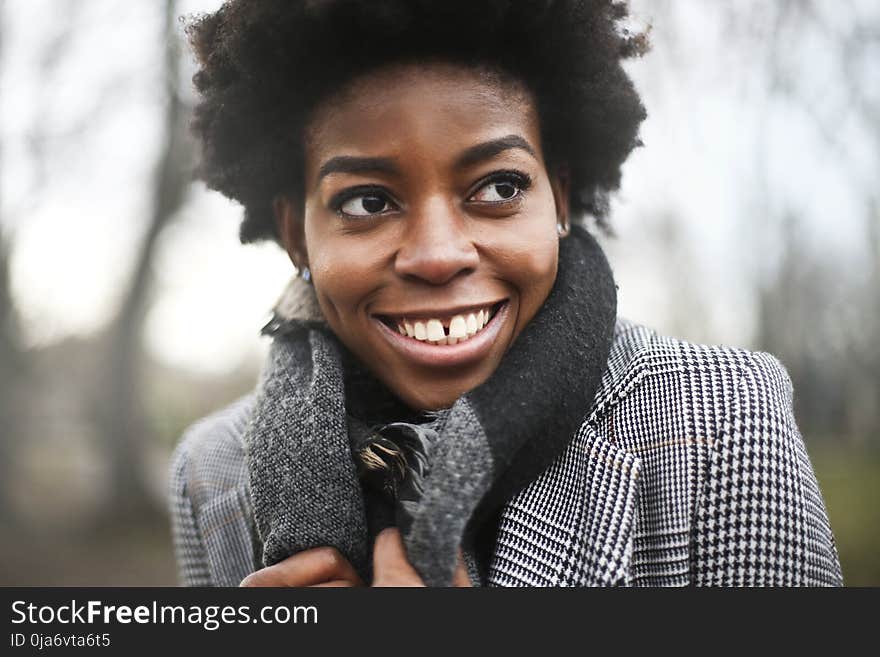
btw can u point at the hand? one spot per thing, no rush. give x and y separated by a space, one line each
391 567
325 566
322 566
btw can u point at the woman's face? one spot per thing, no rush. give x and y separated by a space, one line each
429 224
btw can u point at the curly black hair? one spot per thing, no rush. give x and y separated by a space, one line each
264 65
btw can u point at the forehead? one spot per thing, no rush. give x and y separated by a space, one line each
437 107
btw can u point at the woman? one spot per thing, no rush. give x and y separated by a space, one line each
450 397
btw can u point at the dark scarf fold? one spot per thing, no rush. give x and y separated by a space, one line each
333 456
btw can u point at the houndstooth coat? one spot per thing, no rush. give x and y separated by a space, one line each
689 470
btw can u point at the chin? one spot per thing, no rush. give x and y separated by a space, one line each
430 400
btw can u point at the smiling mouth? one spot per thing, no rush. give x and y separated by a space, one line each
443 329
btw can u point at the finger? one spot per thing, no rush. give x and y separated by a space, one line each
461 577
336 583
304 569
390 564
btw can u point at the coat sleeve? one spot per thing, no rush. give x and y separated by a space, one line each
189 549
761 520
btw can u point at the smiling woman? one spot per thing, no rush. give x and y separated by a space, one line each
424 212
450 398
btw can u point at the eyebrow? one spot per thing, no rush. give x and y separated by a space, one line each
489 149
469 157
352 164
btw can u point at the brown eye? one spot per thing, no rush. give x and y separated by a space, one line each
495 192
364 205
501 189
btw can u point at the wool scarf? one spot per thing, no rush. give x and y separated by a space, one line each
321 420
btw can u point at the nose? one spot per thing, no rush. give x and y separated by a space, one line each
436 246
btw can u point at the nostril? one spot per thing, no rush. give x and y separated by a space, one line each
436 250
435 278
435 266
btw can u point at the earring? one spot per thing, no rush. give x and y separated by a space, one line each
305 274
561 229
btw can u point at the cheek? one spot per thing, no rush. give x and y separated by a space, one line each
531 268
342 284
344 272
530 252
536 268
534 243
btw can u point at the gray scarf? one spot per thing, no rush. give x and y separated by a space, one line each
305 439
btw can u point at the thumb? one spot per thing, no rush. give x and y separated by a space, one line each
461 577
390 564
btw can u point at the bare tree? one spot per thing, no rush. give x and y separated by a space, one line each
822 316
124 424
10 357
11 373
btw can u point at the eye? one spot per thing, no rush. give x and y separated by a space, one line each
362 206
501 188
362 203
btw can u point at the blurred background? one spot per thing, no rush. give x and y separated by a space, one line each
128 308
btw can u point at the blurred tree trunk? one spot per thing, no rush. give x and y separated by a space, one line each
11 374
818 312
10 360
125 425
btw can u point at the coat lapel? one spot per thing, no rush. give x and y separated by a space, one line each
573 526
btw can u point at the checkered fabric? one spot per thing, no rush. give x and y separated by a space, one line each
689 470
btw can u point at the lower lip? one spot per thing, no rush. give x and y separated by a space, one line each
447 355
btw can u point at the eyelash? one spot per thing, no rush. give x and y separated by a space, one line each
343 197
521 180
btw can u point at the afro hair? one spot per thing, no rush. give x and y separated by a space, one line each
263 66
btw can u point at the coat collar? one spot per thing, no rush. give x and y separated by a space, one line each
574 524
297 303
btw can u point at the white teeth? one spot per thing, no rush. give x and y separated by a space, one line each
471 324
461 328
458 327
435 330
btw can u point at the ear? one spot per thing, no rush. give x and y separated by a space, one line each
291 229
559 183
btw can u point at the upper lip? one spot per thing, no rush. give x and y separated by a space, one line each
440 312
